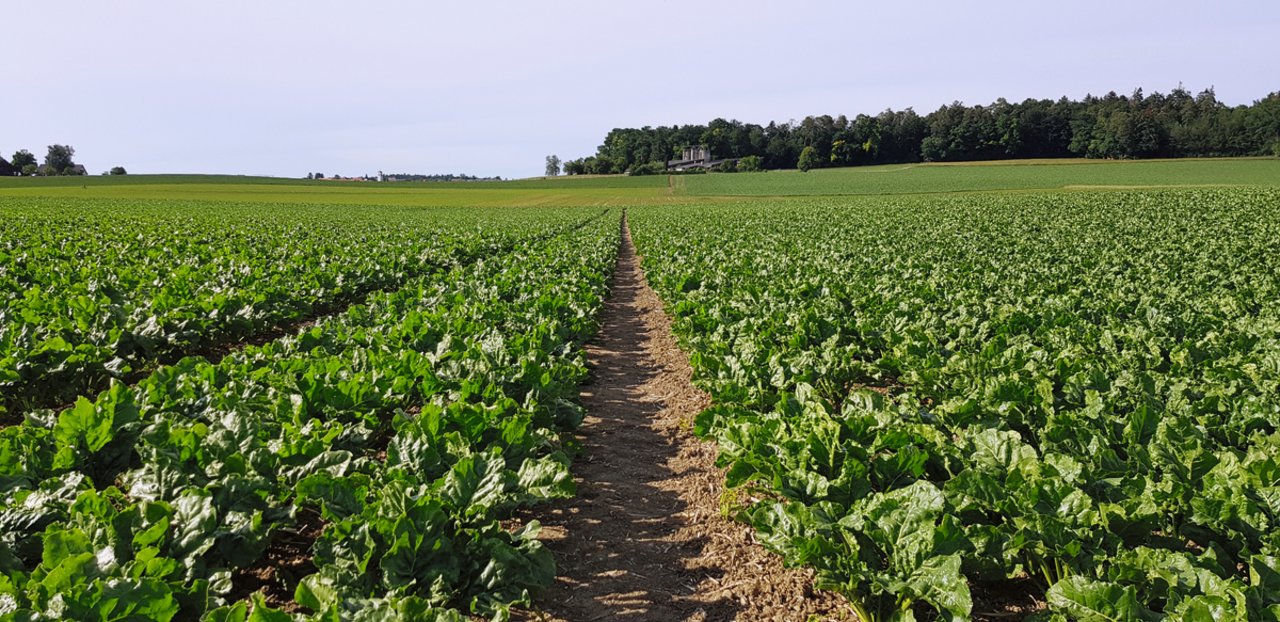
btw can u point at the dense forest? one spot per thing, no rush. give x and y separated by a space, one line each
1112 126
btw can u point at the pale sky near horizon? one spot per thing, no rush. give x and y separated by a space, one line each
489 88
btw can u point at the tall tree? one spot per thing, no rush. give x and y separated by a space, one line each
58 160
553 165
22 158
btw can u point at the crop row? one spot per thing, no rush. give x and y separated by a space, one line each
92 290
1070 394
385 442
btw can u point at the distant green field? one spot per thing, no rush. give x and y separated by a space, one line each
1008 175
532 183
522 193
576 182
662 189
134 180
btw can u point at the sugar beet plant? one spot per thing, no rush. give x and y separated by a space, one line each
1072 394
92 290
390 440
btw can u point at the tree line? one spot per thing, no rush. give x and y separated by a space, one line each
1111 126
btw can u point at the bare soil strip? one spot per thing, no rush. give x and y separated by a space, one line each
645 539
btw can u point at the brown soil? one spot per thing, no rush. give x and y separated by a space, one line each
286 561
645 538
1013 600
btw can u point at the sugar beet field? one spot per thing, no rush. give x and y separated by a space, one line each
319 402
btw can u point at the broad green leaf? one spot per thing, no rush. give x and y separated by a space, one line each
1087 600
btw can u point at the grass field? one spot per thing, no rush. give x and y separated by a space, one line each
403 195
1009 175
624 190
519 193
532 183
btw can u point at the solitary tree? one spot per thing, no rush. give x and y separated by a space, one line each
118 170
808 159
553 165
21 159
58 160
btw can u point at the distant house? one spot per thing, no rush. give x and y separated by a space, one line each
8 170
76 169
696 156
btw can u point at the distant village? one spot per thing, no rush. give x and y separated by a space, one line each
9 170
385 177
57 162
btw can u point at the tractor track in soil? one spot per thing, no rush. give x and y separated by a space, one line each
645 538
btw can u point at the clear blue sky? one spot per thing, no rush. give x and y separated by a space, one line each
489 88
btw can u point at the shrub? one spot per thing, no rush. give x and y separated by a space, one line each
651 168
808 159
751 164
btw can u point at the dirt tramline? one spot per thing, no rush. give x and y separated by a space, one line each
645 537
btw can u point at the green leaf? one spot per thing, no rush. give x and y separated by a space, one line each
1000 450
231 613
339 498
70 572
901 523
263 613
195 522
939 582
143 599
1214 608
84 425
145 523
411 609
347 544
1264 577
1088 600
475 485
319 591
543 479
61 544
